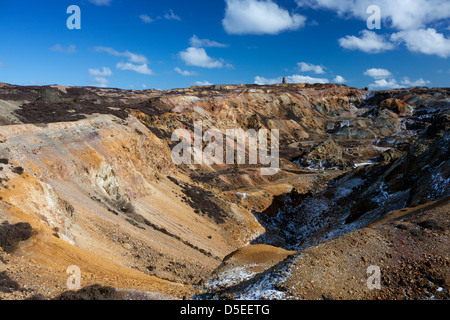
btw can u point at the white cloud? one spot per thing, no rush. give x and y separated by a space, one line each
59 48
204 43
400 14
203 83
259 17
418 83
136 58
262 81
339 79
384 84
305 67
171 16
290 79
369 42
136 62
393 84
146 18
101 2
185 73
100 76
426 41
132 57
377 73
104 72
410 17
199 58
305 79
142 69
383 79
101 82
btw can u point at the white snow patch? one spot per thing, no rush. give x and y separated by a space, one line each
231 277
267 286
362 164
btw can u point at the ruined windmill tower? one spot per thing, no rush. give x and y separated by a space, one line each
284 80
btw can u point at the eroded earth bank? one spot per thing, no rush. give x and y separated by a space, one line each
87 180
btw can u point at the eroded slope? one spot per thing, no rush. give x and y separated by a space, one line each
90 171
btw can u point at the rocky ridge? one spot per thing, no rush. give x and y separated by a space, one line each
89 171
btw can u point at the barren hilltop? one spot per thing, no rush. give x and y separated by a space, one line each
87 180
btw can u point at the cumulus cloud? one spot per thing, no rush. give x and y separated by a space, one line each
409 17
204 43
136 62
203 83
418 83
296 78
426 41
402 15
262 80
100 76
259 17
383 79
101 82
306 67
393 84
142 69
369 42
339 79
378 73
185 73
198 57
59 48
305 79
384 84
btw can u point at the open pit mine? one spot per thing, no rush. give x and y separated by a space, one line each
93 205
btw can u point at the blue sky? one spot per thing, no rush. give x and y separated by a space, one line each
175 44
